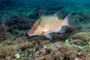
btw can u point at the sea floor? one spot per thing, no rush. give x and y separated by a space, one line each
15 44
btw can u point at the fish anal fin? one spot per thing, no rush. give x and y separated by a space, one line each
48 36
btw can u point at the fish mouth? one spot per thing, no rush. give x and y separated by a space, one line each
30 34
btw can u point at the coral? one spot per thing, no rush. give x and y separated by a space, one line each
7 51
4 34
83 55
65 49
47 57
88 51
70 55
61 37
27 45
81 38
55 50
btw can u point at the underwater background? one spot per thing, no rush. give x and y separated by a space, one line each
17 18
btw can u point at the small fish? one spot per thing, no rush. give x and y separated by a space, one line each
48 24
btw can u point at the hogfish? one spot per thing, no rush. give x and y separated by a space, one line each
48 24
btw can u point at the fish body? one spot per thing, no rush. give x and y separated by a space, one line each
48 24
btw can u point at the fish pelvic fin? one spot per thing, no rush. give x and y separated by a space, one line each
48 36
68 21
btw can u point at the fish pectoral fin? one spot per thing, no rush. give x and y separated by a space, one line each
48 36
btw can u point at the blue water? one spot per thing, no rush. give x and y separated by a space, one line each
48 3
11 9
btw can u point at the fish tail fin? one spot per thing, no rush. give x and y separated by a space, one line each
68 20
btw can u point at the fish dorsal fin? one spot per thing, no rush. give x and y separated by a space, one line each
35 26
68 20
60 14
48 36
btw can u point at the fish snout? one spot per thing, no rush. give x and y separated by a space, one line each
29 34
33 33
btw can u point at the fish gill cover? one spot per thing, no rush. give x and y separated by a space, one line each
46 18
